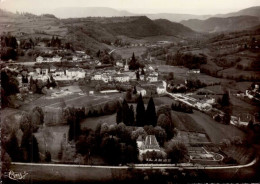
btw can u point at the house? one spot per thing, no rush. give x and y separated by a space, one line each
52 69
106 77
86 56
56 58
39 59
120 64
74 58
132 75
45 71
121 78
149 144
244 119
203 105
141 77
80 52
48 60
194 71
19 78
152 78
126 68
97 76
141 91
75 73
38 71
59 72
160 90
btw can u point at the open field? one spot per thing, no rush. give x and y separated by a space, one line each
183 121
94 121
216 131
126 53
73 99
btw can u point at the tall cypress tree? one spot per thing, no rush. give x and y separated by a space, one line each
12 148
140 111
119 114
150 114
125 113
131 115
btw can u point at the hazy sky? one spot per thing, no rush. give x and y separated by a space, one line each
135 6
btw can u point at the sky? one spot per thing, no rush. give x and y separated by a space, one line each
198 7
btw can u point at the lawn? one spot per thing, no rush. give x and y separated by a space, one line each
183 121
93 121
216 131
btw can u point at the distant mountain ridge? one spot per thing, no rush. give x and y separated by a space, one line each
77 12
217 24
252 11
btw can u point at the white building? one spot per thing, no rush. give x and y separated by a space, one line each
39 59
121 78
97 76
126 66
56 58
141 91
152 78
74 58
59 72
120 64
75 73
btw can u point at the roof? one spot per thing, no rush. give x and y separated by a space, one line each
121 75
151 142
59 70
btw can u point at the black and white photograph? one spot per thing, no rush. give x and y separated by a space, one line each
130 91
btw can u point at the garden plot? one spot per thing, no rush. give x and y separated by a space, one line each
200 153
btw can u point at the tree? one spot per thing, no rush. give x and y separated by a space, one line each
151 118
74 125
176 151
160 134
225 100
5 161
30 146
142 71
137 75
110 150
140 111
37 116
131 115
227 117
134 91
125 112
170 76
166 123
47 156
133 65
128 95
98 53
119 114
12 148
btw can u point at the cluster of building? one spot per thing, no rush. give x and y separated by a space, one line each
78 57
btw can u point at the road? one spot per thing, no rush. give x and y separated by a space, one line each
141 166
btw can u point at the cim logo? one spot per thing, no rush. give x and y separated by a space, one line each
17 175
